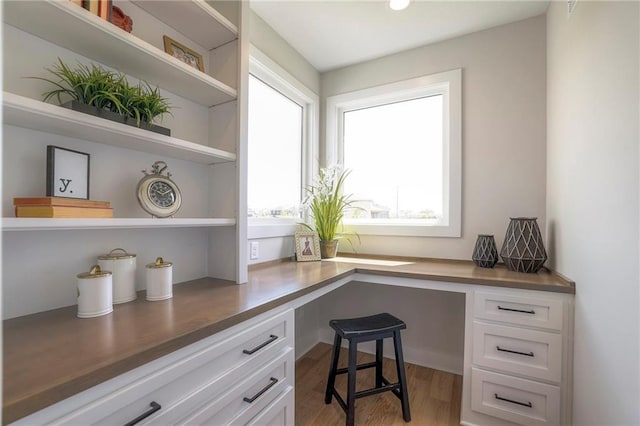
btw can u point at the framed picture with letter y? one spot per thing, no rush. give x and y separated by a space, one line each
67 173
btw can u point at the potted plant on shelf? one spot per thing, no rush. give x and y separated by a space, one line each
326 205
108 94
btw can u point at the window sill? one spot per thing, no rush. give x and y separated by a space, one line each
403 230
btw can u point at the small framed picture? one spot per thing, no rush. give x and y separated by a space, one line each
307 246
67 173
186 55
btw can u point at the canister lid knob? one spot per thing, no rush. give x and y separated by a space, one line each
94 272
159 263
113 255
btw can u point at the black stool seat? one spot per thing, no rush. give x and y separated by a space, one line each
367 326
358 330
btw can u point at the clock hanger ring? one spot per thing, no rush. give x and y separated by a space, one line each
159 167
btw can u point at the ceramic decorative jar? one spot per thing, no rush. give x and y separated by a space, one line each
523 249
95 294
485 252
123 267
159 280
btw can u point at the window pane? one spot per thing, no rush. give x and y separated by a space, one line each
395 154
275 152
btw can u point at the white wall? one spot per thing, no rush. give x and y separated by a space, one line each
435 321
592 198
503 128
278 50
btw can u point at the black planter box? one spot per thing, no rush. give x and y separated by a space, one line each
112 116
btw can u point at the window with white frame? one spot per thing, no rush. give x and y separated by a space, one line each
281 146
275 152
402 144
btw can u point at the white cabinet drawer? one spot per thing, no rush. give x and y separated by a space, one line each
520 310
532 353
513 399
216 363
279 413
195 398
244 401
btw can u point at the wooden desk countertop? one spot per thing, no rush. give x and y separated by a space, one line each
53 355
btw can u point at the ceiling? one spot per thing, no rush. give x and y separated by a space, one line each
334 33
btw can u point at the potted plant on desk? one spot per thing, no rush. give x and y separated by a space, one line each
326 205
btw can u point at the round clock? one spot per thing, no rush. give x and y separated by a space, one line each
158 195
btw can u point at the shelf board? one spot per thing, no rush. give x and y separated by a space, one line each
46 224
195 19
33 114
72 27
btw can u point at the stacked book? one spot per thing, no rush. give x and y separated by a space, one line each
102 8
62 208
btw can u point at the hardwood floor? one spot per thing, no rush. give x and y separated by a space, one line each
434 396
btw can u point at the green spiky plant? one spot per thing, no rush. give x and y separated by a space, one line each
108 90
327 204
151 104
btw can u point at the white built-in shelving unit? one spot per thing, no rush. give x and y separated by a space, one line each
65 24
209 119
32 114
45 224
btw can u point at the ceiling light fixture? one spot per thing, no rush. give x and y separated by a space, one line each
398 4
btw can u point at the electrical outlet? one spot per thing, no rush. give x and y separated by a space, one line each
255 250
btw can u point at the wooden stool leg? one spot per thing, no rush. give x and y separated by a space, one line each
331 381
351 384
379 363
402 378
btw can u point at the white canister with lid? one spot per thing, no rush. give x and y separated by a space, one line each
94 293
159 280
123 267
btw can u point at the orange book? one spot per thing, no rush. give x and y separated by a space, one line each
58 201
91 5
104 9
63 212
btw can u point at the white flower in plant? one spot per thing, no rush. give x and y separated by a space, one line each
326 203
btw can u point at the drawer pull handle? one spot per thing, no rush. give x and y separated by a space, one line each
272 338
514 352
154 407
266 388
531 312
524 404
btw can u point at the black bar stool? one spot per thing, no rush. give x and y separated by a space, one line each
365 329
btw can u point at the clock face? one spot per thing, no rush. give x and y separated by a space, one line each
161 194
